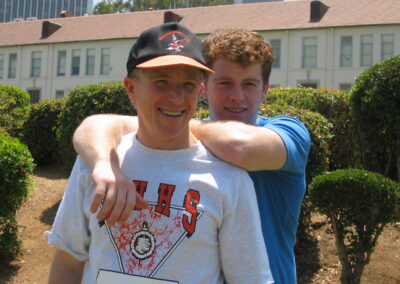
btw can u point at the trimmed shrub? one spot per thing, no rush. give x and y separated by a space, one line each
375 105
335 106
358 204
39 131
3 132
16 168
84 101
14 108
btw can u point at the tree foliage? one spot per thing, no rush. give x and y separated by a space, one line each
119 6
358 204
375 106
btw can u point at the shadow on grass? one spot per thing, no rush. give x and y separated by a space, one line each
307 258
49 214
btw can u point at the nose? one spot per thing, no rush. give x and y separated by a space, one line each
236 93
176 94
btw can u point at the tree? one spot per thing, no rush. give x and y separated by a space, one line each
375 104
119 6
358 204
112 6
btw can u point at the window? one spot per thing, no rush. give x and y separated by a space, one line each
36 62
1 66
312 85
61 62
309 58
366 50
272 86
59 94
387 48
90 59
105 61
12 66
276 46
35 95
76 62
346 51
345 87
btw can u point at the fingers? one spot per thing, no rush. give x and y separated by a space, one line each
116 194
129 205
98 197
141 203
109 202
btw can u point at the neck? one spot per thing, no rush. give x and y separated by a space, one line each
184 140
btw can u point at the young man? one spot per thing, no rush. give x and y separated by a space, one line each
201 224
273 150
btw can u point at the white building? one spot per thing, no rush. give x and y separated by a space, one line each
17 10
317 44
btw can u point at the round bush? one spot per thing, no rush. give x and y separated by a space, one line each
16 168
14 108
375 104
359 204
84 101
39 131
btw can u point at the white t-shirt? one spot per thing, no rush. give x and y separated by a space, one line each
202 224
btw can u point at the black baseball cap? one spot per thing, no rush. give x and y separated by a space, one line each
166 45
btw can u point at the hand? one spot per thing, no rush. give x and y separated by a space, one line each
118 192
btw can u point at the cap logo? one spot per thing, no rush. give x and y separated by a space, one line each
178 40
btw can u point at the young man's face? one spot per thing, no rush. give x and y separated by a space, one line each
235 92
165 99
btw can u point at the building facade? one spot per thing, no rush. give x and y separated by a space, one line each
18 10
326 53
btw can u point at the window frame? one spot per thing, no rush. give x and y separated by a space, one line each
364 50
36 64
309 61
12 66
277 48
105 61
61 63
343 52
90 62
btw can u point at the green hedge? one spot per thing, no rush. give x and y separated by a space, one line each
14 108
39 131
359 204
84 101
335 106
16 169
375 105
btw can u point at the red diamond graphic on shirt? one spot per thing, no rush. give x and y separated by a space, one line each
147 238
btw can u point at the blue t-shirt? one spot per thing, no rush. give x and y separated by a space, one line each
280 194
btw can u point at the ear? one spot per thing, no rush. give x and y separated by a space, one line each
265 92
130 89
201 90
204 93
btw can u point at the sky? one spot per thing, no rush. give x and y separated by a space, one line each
95 2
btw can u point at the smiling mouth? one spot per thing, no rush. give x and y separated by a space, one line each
235 109
171 113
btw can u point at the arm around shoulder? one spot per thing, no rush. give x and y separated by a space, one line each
247 146
99 134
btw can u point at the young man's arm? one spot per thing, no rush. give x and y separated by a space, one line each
246 146
95 140
65 269
249 147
